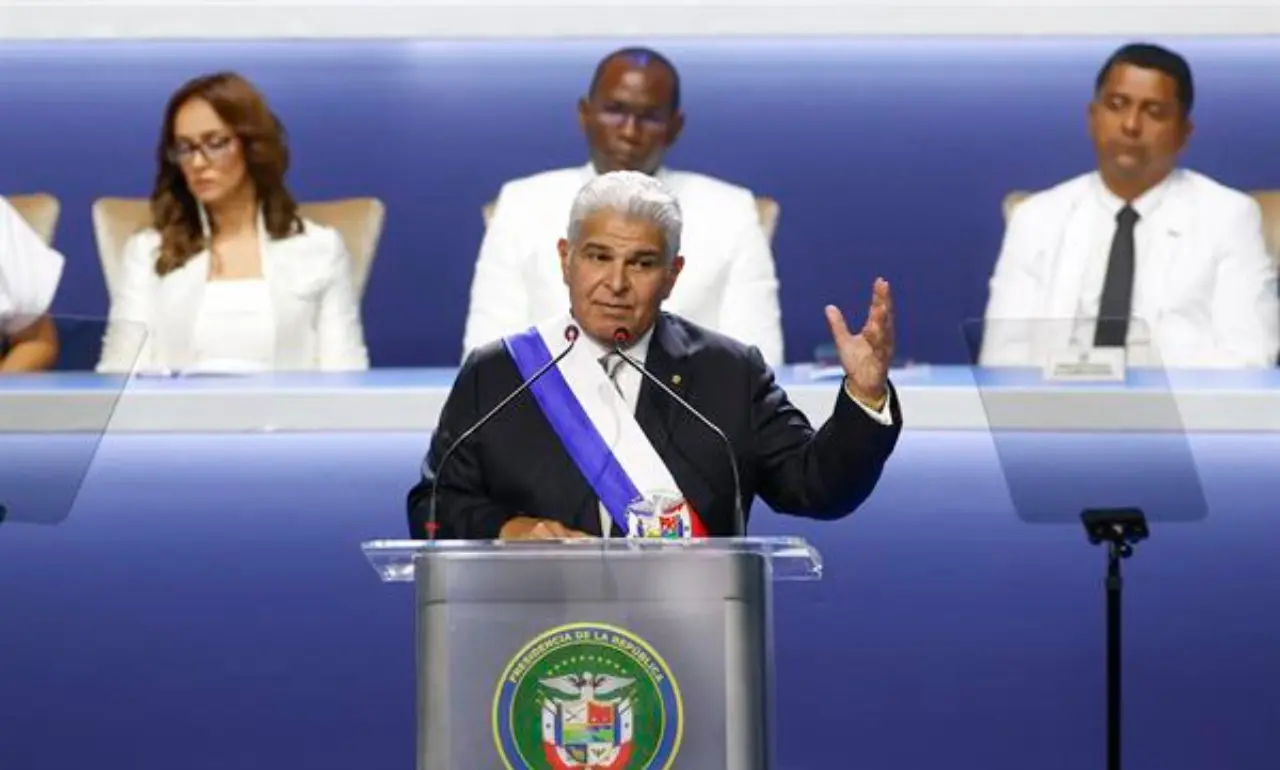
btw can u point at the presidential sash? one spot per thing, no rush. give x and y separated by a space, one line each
601 435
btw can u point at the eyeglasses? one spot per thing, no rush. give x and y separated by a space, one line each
212 150
614 114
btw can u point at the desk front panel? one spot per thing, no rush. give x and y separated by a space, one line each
206 606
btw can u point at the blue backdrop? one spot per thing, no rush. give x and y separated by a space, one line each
888 156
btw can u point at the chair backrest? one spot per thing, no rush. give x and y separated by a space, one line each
1011 202
115 220
40 210
767 209
358 220
1268 200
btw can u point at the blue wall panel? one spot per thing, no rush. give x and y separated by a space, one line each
888 156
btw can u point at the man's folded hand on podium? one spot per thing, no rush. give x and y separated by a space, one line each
530 528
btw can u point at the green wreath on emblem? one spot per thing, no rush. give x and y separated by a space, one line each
587 696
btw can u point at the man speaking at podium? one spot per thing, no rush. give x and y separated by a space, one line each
557 432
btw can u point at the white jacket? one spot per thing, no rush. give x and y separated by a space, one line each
29 272
1204 289
728 283
309 278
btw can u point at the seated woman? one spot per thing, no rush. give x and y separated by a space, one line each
29 276
229 278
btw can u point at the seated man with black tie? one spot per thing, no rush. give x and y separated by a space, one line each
593 436
1139 254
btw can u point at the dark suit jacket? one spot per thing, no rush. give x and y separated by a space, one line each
516 465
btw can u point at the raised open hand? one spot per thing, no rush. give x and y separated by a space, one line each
866 355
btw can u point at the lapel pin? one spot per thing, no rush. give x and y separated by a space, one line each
675 379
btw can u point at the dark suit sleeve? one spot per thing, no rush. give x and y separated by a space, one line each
823 474
463 509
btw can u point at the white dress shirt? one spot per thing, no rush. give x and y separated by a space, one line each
728 283
29 272
626 379
628 382
1204 293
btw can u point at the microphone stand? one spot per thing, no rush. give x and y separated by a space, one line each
1120 529
570 334
739 520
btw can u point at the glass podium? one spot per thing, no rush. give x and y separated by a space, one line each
594 653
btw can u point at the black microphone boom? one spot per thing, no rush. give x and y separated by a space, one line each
570 334
620 336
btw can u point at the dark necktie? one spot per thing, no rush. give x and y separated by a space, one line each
1117 291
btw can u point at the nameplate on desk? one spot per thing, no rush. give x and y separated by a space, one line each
1086 365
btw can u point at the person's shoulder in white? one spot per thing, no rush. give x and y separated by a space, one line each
19 241
1053 199
1214 206
322 243
537 192
1206 191
1213 197
698 187
315 240
143 246
30 271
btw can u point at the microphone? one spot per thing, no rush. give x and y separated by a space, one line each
571 333
621 337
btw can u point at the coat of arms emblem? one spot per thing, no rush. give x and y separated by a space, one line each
587 697
660 516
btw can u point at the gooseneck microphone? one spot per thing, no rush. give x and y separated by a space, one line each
571 333
621 337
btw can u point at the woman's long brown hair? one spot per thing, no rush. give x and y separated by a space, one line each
175 213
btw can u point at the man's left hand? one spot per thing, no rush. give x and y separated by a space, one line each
866 355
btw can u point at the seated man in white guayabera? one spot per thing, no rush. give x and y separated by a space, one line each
630 116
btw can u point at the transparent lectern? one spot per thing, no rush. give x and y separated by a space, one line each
605 654
51 425
1089 435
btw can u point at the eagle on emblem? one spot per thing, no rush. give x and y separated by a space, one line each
586 686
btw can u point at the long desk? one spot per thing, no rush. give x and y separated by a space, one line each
205 604
933 398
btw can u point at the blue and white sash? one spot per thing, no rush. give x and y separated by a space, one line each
595 424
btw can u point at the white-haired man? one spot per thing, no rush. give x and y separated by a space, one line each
573 455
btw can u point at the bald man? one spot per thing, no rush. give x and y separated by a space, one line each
630 117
